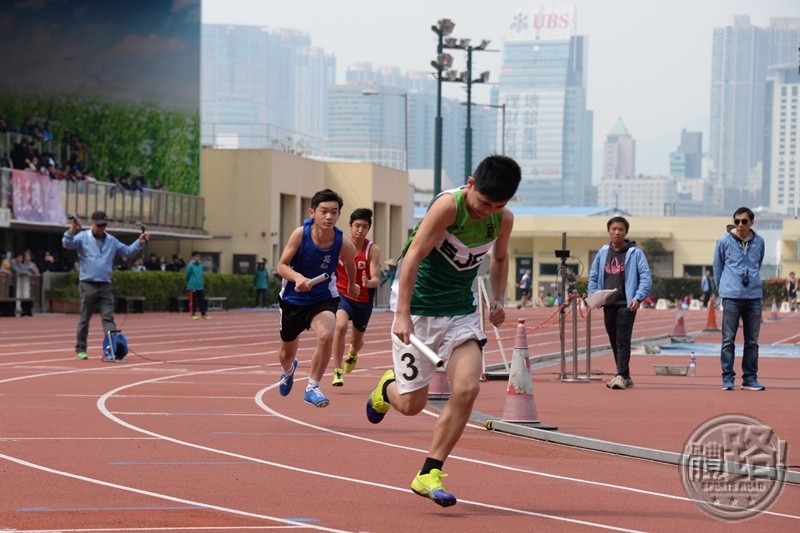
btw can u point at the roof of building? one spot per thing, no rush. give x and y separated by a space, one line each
619 129
548 211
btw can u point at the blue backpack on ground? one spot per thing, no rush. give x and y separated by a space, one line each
115 347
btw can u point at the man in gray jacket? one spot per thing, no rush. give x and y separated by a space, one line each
737 272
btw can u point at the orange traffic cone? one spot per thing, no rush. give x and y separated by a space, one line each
439 387
711 324
520 405
773 315
679 334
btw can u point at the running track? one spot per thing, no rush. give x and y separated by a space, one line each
190 434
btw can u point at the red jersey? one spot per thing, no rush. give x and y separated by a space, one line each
362 267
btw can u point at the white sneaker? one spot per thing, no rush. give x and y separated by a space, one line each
617 382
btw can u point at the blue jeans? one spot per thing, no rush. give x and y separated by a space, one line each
749 311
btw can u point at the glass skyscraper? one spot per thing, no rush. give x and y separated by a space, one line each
741 56
263 88
371 126
543 85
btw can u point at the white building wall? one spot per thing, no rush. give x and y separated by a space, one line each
639 197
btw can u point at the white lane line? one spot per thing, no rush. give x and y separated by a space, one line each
559 477
162 496
101 406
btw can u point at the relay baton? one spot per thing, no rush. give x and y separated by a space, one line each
317 280
427 352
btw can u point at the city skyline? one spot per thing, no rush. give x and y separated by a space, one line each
649 65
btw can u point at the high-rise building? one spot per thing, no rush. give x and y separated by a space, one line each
781 166
543 86
687 160
741 55
380 137
619 153
263 88
650 197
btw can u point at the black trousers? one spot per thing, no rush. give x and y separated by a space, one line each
706 298
619 326
197 302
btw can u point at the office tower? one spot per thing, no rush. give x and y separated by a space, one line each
646 196
619 153
741 55
781 167
379 137
686 161
543 85
263 88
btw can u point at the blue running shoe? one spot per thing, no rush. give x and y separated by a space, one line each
430 486
285 386
377 406
753 385
727 384
315 397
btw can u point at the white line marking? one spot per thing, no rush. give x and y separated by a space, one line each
163 496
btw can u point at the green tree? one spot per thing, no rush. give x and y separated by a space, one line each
654 250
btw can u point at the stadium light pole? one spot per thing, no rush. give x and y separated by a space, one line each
502 125
466 77
404 96
443 28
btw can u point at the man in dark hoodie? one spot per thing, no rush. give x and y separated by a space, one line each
737 272
622 266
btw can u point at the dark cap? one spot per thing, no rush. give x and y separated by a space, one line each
100 218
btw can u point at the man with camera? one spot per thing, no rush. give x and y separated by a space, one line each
97 250
737 268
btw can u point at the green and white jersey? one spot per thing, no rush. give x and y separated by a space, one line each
444 280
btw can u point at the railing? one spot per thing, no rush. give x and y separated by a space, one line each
240 135
158 208
149 207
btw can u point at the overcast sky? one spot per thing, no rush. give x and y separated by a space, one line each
649 60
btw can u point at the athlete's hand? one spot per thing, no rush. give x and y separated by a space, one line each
497 313
402 327
302 285
353 290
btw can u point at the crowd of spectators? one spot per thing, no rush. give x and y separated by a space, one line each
22 265
27 155
154 263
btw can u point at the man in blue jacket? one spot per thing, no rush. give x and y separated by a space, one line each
737 271
622 266
96 253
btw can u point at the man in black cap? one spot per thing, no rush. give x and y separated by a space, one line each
97 251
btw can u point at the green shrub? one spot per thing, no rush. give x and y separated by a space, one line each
158 287
675 289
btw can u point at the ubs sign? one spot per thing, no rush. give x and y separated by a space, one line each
547 22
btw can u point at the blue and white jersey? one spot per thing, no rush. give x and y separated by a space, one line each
311 261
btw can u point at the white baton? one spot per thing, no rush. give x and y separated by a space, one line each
427 352
318 279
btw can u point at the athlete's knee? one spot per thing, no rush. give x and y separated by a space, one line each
411 403
465 390
325 335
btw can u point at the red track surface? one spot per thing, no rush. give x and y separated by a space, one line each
190 434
